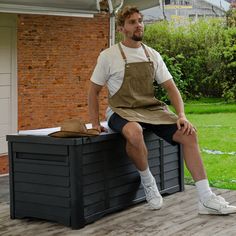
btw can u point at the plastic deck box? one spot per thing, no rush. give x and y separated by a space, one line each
75 181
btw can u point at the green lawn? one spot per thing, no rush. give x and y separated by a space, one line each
209 105
206 108
216 131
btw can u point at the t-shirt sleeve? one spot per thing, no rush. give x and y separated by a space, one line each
162 72
101 71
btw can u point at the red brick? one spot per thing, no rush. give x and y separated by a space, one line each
56 56
4 164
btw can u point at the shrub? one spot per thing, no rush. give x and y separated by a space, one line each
174 66
207 63
231 17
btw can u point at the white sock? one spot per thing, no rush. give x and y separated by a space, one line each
203 189
146 176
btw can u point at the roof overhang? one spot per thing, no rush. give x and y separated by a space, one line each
51 7
141 4
84 8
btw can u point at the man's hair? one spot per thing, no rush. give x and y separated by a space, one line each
125 13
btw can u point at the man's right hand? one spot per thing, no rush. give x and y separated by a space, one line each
100 128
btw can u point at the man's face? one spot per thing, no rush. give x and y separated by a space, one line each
133 27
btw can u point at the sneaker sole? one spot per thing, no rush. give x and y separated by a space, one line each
213 213
209 212
152 207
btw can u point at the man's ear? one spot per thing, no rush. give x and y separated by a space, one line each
120 29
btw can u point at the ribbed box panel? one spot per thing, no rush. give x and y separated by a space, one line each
77 181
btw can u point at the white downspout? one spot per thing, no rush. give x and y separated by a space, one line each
112 35
98 5
113 12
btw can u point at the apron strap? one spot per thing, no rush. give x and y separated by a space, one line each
125 58
122 53
146 52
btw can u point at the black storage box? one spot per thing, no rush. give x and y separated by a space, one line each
76 181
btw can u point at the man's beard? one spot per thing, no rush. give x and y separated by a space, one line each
137 38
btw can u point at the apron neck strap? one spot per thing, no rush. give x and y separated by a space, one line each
125 58
122 53
146 52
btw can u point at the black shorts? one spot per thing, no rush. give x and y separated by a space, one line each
165 131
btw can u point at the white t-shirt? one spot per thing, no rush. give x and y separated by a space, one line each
110 67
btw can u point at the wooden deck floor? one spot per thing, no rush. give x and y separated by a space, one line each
177 217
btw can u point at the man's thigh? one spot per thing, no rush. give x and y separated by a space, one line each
165 131
117 123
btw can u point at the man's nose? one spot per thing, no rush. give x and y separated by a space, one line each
139 24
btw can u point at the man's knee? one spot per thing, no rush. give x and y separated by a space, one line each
133 133
185 139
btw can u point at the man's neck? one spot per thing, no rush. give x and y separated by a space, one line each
131 43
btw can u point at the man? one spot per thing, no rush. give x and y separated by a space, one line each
129 69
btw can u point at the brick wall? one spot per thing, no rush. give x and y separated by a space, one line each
4 164
56 56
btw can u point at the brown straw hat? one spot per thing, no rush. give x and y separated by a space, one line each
74 128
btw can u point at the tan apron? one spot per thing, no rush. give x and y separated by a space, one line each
135 100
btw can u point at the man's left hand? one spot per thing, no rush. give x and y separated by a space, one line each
185 126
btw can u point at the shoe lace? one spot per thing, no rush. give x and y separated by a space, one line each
150 191
222 200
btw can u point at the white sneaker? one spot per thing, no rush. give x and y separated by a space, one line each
215 205
153 196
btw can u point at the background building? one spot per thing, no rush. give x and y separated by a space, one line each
182 9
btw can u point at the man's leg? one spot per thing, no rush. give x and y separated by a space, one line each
191 154
137 152
171 134
135 145
193 161
209 203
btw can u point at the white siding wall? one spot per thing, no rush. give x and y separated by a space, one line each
8 94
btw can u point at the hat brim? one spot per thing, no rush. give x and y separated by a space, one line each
69 134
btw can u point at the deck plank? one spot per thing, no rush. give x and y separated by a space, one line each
177 217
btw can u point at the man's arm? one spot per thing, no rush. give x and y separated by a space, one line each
93 106
177 102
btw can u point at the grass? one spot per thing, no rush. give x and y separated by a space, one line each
206 108
208 105
216 131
